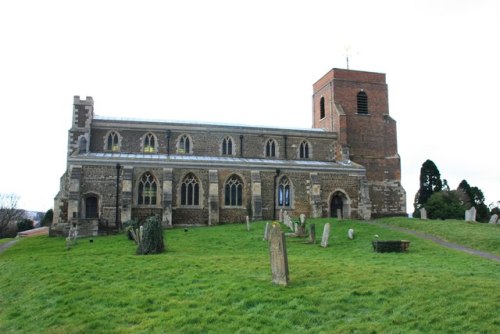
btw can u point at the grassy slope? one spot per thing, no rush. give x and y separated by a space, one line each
217 280
485 237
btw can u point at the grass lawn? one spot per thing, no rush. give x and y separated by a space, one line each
485 237
217 280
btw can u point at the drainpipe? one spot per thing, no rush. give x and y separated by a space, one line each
168 142
241 146
286 146
117 220
274 197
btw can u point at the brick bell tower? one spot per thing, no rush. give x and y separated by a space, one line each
355 105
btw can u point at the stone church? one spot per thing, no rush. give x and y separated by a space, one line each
346 165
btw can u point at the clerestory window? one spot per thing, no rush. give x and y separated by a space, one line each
271 148
227 146
113 142
149 143
304 150
183 145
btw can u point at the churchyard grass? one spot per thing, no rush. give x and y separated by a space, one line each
481 236
218 280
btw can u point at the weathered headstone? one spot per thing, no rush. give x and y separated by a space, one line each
295 227
423 213
248 223
470 215
278 255
350 234
339 214
302 218
266 232
280 217
312 234
494 218
326 235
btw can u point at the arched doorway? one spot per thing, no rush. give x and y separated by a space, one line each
339 205
91 207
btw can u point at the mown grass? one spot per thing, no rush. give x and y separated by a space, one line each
217 280
484 237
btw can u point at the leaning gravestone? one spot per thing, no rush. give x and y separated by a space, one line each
326 235
312 234
470 215
494 219
266 232
350 234
278 255
423 213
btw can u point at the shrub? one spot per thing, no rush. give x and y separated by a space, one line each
444 205
47 218
24 225
152 238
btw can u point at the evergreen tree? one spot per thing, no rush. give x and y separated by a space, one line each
430 182
47 218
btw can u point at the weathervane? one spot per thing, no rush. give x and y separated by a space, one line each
347 50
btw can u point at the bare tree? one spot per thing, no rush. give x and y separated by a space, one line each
8 211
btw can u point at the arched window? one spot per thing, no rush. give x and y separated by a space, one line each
149 143
271 148
91 207
113 142
322 107
82 145
227 146
190 190
233 191
304 150
147 190
183 145
284 192
362 103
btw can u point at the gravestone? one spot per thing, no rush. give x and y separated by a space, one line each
280 217
494 219
288 221
278 255
470 215
423 213
339 214
302 218
350 234
312 234
295 227
266 232
248 223
326 235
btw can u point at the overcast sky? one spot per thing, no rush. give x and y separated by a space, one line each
248 62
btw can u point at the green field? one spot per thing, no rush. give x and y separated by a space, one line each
217 280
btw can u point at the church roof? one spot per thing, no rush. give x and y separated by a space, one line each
193 161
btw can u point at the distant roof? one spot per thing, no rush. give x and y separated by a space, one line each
180 122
